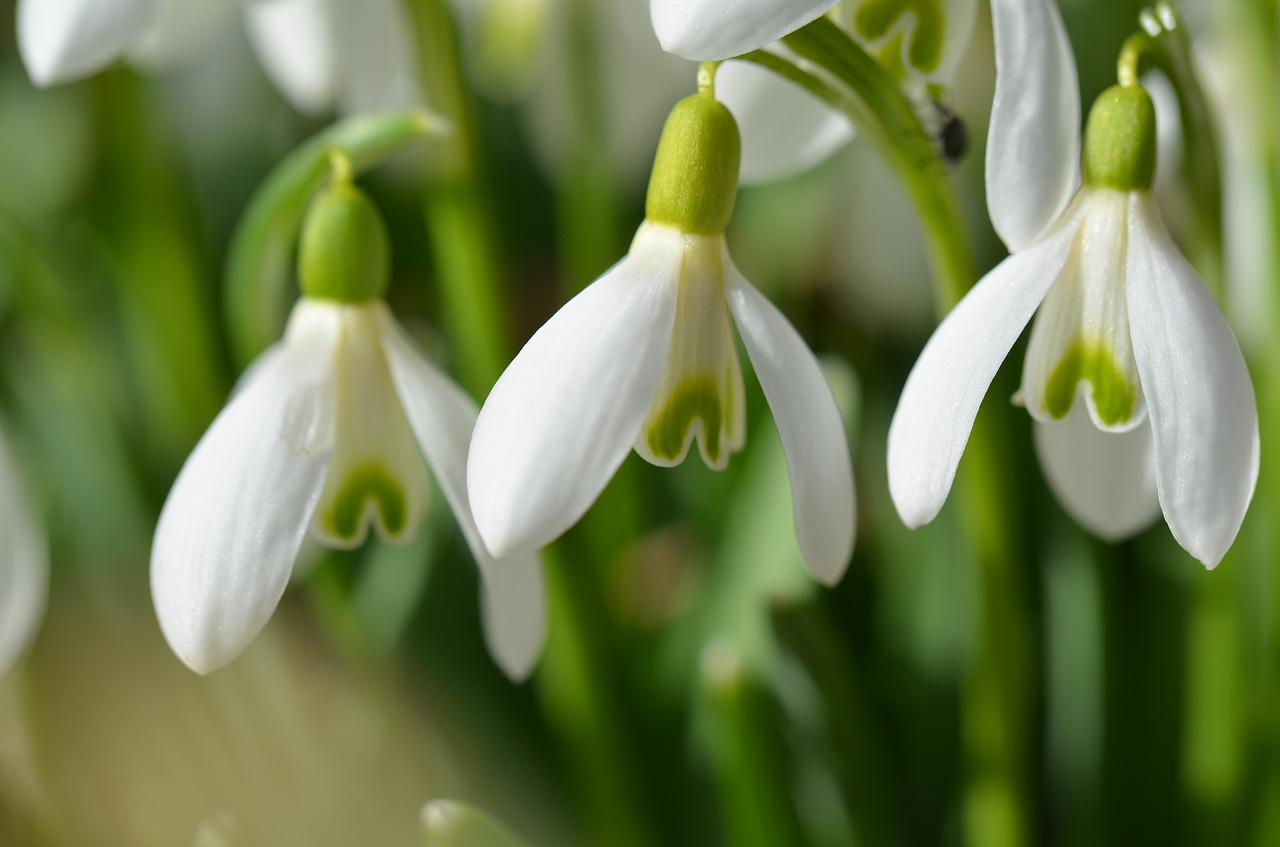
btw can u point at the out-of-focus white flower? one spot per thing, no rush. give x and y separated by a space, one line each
1124 322
711 30
644 358
24 563
349 55
786 129
326 437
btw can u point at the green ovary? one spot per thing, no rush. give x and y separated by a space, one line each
877 18
1113 396
366 485
695 399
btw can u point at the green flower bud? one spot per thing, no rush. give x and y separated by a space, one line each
344 254
1120 140
695 173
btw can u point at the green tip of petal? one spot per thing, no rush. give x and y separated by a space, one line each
668 431
1120 140
366 491
344 254
878 18
1113 397
695 173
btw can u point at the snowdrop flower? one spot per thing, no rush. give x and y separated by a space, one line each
352 55
785 128
325 438
1139 391
645 358
24 564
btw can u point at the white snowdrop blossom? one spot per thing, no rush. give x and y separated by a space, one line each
24 563
644 358
325 438
1141 397
785 128
350 55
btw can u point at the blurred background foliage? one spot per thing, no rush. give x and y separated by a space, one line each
697 688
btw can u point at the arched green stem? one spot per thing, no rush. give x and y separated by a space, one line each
877 107
1162 45
259 267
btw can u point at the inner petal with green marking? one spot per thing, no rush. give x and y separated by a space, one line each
1080 345
700 396
915 29
376 473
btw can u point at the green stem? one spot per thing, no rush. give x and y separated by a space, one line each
880 111
259 267
589 234
998 698
751 770
575 682
1164 46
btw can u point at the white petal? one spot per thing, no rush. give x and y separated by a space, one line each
1079 346
377 66
376 477
180 31
931 425
24 564
62 40
700 396
1105 480
232 525
707 30
1199 396
809 423
785 129
1033 146
930 48
565 413
442 417
294 40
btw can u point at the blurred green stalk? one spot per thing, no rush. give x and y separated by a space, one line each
575 679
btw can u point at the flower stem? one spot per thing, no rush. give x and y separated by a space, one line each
998 697
259 267
880 111
1163 45
574 680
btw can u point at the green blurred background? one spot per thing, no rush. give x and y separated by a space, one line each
697 688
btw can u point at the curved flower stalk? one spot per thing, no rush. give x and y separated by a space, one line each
325 438
1138 388
322 54
24 564
644 358
786 129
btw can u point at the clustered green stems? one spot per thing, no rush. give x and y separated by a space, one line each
855 84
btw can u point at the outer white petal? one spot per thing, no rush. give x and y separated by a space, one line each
785 129
62 40
931 46
809 423
1105 480
181 30
24 564
376 64
566 411
232 525
707 30
1199 396
1033 146
294 40
442 417
931 425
